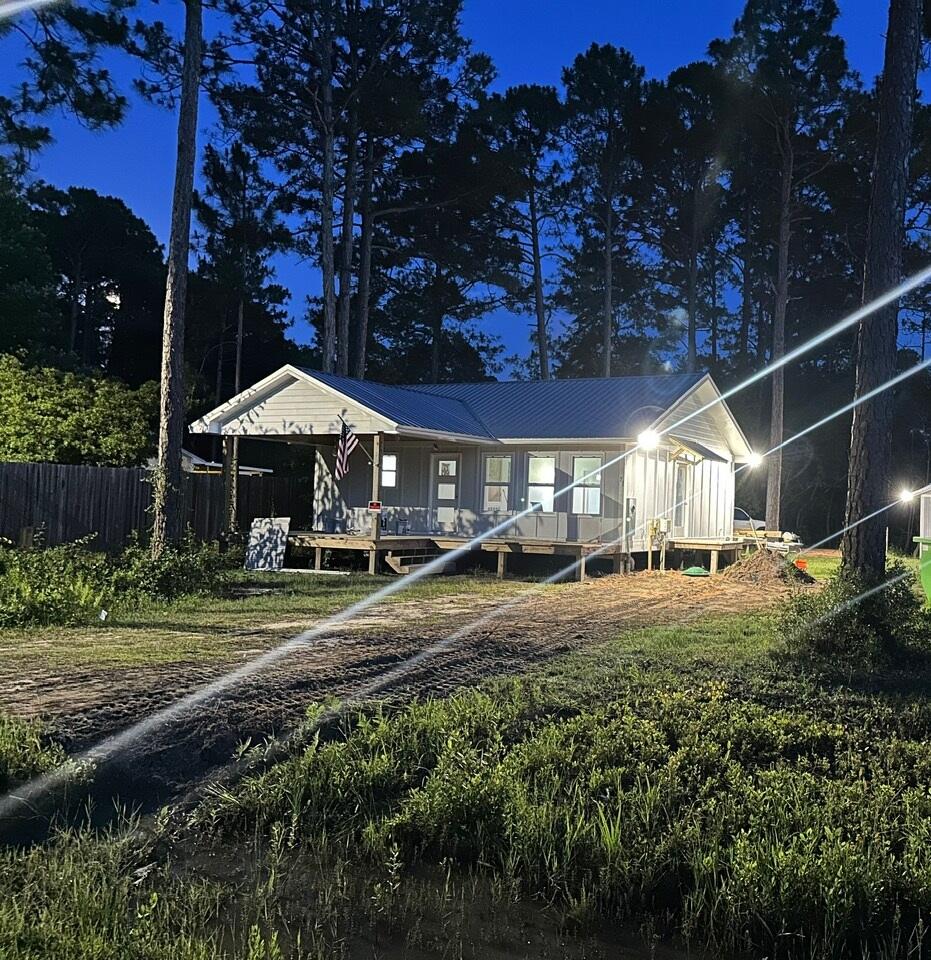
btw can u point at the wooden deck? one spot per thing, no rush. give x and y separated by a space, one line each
404 552
730 548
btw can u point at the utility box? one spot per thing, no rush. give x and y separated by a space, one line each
924 563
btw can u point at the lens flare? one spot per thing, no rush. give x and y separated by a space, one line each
117 743
649 440
850 526
9 8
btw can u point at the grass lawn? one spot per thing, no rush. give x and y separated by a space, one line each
204 628
681 781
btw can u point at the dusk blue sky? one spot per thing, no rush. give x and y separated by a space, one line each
529 41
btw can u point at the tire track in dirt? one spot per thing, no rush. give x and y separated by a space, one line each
88 704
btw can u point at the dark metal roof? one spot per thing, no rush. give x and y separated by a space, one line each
563 409
405 406
524 409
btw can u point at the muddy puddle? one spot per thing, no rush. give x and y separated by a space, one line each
321 905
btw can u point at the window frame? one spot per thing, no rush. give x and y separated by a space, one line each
508 484
683 468
382 470
600 457
543 455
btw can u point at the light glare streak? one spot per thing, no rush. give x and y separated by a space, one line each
9 8
113 745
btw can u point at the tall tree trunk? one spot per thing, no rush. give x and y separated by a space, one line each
714 322
345 266
746 290
538 302
231 444
327 198
863 546
774 460
437 321
75 308
168 522
692 292
88 331
218 387
607 320
365 257
692 303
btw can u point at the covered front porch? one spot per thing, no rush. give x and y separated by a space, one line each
406 552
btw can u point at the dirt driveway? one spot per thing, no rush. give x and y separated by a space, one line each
85 704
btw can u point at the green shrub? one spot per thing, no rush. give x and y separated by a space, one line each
753 828
855 625
25 751
62 585
70 584
191 567
85 897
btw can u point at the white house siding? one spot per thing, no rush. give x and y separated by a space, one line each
301 408
709 496
712 427
926 515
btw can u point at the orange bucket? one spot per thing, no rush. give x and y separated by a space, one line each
801 564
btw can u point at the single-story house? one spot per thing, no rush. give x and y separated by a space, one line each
558 458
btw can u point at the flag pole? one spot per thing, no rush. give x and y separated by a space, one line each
358 441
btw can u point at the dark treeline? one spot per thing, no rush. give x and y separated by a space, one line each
713 220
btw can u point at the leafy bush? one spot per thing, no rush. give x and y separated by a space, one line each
69 418
855 625
191 567
62 585
70 584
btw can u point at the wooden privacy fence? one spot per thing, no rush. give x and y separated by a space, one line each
69 502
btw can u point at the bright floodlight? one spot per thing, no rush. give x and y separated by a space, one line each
754 460
906 495
649 440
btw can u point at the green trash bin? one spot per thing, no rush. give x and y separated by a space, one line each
924 563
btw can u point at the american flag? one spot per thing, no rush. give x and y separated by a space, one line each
348 442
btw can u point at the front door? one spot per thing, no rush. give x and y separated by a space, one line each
680 498
445 492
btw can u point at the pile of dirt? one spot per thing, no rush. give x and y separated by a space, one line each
766 566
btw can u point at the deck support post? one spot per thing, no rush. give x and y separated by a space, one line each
502 564
318 558
662 555
377 441
617 563
373 562
715 554
580 574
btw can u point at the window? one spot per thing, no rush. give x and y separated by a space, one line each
497 484
389 470
446 468
541 483
678 513
586 492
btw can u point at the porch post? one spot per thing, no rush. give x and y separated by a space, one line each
376 495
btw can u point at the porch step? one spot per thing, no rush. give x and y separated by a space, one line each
404 561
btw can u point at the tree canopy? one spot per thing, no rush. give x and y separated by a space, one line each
710 220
